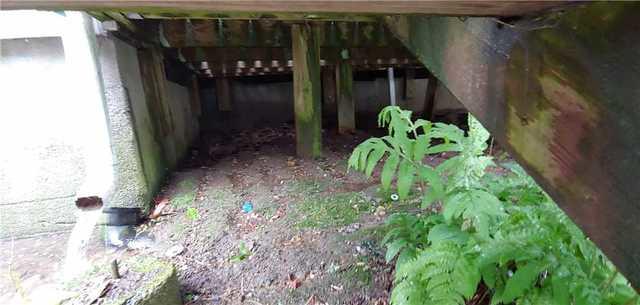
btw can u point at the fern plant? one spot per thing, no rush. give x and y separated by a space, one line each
501 232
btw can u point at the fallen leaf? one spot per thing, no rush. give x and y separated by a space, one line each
294 282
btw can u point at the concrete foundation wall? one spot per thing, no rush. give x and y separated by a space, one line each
42 163
142 159
52 142
271 103
185 122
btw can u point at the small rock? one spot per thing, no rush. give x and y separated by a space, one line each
350 228
362 250
215 300
174 251
301 275
381 211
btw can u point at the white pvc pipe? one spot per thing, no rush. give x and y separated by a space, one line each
392 87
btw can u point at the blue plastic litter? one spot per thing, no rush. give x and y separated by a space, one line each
247 207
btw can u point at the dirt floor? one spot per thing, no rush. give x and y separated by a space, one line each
312 236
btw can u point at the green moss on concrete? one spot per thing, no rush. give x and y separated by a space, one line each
159 284
161 289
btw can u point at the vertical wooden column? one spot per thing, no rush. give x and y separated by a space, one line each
408 87
346 104
223 93
194 96
306 90
430 97
329 104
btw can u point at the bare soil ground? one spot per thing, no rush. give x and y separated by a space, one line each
312 237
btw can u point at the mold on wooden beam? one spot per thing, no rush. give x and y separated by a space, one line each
306 90
269 33
558 91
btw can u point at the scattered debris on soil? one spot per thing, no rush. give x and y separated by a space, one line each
269 228
246 222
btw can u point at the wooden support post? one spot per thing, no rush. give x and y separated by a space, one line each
329 104
223 94
346 104
430 97
306 90
408 86
194 96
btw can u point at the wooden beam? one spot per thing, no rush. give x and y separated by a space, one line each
306 90
358 56
346 103
430 97
560 92
181 33
309 7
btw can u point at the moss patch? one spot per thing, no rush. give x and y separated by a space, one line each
322 211
185 193
308 187
358 274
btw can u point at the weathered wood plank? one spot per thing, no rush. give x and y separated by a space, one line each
469 7
561 93
306 90
269 33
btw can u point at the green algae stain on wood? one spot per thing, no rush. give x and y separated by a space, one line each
346 103
562 98
307 90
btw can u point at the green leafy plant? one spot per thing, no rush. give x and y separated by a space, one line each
242 254
497 239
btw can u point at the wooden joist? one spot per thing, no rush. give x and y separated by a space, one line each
310 8
268 33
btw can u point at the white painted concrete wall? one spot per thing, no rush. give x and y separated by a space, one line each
52 124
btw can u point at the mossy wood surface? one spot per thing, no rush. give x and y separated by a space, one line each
346 103
561 93
306 90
